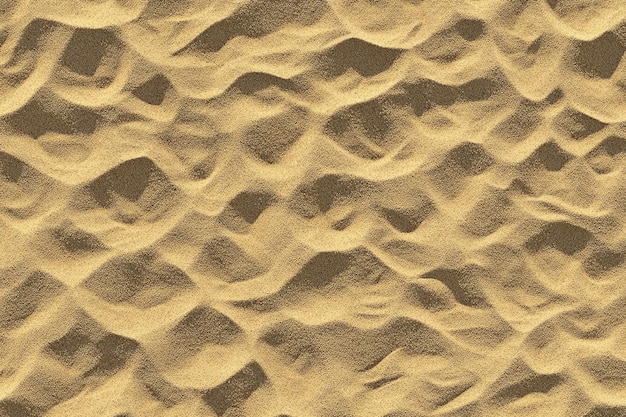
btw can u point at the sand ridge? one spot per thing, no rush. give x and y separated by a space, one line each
312 208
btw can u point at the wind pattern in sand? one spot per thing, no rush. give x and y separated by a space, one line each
305 208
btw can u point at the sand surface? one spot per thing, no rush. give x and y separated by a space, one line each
303 208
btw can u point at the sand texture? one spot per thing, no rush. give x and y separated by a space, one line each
312 208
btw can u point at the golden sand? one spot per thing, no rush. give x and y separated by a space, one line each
303 208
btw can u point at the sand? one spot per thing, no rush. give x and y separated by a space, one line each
306 208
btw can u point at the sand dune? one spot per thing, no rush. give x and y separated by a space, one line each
270 208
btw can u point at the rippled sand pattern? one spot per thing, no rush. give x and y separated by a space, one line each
302 208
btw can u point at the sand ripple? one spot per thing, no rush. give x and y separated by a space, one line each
312 208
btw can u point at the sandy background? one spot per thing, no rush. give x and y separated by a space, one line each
312 208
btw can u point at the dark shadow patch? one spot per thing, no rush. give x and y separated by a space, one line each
589 323
603 158
253 82
203 169
114 352
428 298
550 156
471 157
254 20
462 284
449 393
75 240
365 268
260 305
562 236
555 96
606 411
365 58
467 159
222 258
327 189
407 220
4 35
203 325
128 180
519 125
519 186
269 139
212 39
13 408
450 44
534 46
577 125
207 155
38 118
250 205
599 57
153 91
319 271
88 346
86 49
159 388
606 370
141 279
236 390
364 129
136 189
425 95
413 337
318 197
32 36
488 215
533 384
343 224
21 302
359 349
602 261
470 29
478 89
291 339
11 167
519 380
67 347
382 382
613 145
